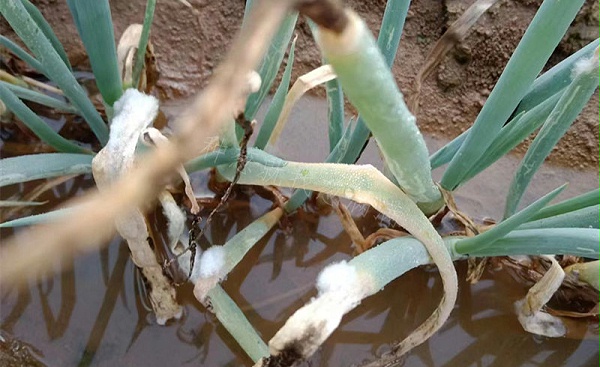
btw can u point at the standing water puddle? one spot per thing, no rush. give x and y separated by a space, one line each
94 314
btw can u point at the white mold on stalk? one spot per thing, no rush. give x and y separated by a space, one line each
341 288
212 262
134 112
586 66
209 271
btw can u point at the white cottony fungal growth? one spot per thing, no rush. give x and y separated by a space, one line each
341 288
208 271
175 219
338 277
133 112
586 66
212 262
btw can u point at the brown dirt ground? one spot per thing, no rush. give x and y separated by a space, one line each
190 42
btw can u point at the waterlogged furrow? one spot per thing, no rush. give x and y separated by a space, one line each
365 184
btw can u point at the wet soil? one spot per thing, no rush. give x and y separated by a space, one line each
189 43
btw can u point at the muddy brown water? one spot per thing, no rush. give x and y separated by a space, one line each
94 313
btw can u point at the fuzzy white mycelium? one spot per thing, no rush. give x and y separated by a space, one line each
586 66
341 288
212 262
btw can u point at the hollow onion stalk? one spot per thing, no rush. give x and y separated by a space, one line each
370 86
388 40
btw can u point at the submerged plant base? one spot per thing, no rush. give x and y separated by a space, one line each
108 324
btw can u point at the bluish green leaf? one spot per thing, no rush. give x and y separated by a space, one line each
587 217
36 166
513 133
447 152
236 323
569 106
561 241
230 156
264 134
141 51
47 30
388 40
486 239
22 54
380 103
96 31
20 20
53 216
338 153
36 124
335 112
579 202
554 79
544 87
270 64
37 97
541 38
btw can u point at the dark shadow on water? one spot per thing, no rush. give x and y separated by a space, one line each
113 288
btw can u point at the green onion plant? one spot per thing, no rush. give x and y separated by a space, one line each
522 102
